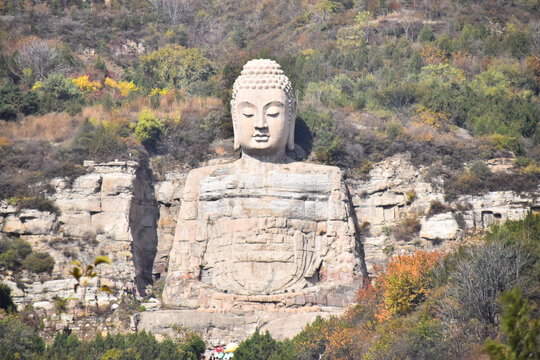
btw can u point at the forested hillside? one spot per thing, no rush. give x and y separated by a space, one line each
455 83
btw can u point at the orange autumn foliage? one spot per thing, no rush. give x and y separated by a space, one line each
398 290
405 283
342 343
432 55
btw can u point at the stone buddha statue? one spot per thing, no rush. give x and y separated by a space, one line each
264 225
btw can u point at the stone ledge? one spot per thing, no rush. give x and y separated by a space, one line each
217 329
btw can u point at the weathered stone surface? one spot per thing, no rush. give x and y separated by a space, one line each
396 190
221 328
13 224
164 191
91 203
93 220
113 223
87 184
75 224
116 183
439 227
231 238
30 221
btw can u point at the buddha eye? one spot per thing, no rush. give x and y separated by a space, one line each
248 115
273 111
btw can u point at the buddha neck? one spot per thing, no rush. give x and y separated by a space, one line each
278 157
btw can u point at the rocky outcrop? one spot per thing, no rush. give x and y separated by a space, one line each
397 196
220 328
111 210
168 196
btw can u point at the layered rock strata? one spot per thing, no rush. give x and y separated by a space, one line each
109 211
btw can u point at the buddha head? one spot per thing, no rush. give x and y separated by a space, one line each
263 109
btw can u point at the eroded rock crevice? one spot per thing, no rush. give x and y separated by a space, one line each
143 224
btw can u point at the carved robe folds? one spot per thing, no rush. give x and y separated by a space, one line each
262 229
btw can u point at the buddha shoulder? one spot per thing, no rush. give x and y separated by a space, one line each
306 168
196 176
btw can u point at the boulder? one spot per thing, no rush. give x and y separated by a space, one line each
439 227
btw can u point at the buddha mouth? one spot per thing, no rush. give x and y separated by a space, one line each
261 137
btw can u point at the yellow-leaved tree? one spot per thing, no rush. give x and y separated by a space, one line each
82 274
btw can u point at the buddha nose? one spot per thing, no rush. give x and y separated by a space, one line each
260 121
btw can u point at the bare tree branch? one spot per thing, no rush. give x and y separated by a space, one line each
174 11
40 57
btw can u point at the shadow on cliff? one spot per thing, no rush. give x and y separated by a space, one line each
303 136
143 217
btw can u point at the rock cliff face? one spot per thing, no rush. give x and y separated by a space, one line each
118 209
401 210
109 211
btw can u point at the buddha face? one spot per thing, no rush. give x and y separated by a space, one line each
262 121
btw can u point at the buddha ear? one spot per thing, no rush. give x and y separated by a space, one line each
290 139
236 140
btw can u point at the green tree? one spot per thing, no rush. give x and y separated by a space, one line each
356 35
426 34
148 129
264 347
496 106
82 274
6 302
520 329
469 38
444 43
13 100
311 342
326 144
17 340
517 40
192 347
443 88
39 262
96 142
415 63
57 93
175 66
64 347
14 254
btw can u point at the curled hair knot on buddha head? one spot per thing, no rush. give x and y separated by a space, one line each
265 74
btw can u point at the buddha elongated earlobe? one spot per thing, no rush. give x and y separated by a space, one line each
292 121
290 140
236 141
235 130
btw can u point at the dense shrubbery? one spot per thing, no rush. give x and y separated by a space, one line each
263 347
18 340
18 254
6 302
176 67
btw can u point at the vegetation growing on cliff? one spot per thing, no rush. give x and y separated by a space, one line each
17 255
